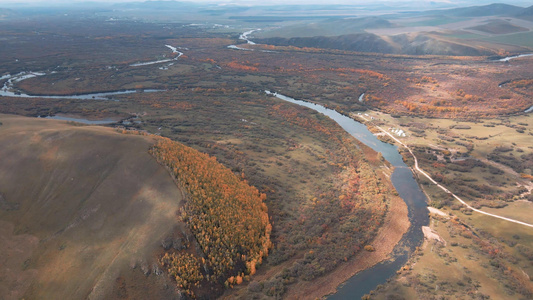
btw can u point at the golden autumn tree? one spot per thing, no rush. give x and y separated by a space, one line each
227 216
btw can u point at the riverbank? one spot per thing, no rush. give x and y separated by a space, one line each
396 224
459 236
369 277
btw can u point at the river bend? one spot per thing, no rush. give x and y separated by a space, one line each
404 182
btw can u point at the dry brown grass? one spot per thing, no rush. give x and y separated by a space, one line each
83 206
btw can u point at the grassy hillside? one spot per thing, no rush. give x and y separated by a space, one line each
328 27
498 27
82 211
412 44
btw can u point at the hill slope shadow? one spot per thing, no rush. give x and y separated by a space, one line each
85 208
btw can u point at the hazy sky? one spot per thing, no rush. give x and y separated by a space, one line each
262 2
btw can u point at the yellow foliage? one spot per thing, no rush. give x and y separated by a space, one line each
226 215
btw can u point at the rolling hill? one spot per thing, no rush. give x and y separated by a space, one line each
526 13
82 210
498 27
411 43
362 42
327 27
87 212
495 9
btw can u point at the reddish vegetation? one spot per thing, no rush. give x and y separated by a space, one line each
525 84
241 66
451 87
358 198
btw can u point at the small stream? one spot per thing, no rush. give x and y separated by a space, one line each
404 182
89 96
244 36
508 58
173 49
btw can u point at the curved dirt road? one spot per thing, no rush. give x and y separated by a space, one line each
441 186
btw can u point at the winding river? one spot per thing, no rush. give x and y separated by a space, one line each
7 89
244 36
174 50
89 96
402 179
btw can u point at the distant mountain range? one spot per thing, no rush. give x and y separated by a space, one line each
353 34
275 13
156 5
328 27
495 9
7 13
